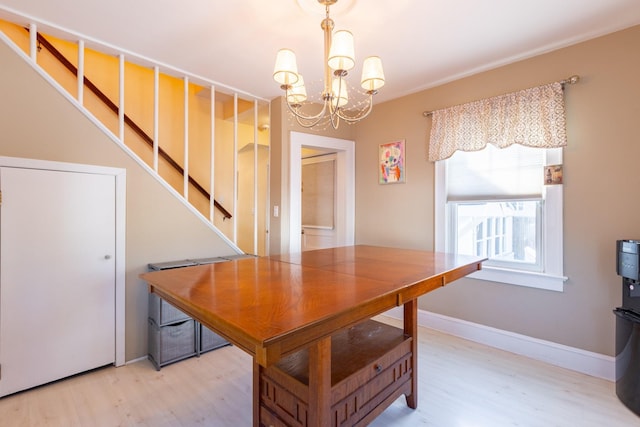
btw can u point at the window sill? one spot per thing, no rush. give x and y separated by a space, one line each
521 278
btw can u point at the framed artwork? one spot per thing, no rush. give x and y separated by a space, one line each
553 175
391 167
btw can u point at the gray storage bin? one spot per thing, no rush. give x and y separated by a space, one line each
171 343
173 335
203 261
156 266
209 340
238 256
162 313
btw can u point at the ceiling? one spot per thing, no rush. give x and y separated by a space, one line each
422 43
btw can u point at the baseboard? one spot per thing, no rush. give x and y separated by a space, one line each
586 362
139 359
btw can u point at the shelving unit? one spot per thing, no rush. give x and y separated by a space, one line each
173 335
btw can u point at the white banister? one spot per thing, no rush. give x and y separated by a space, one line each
81 72
235 168
121 99
33 42
186 138
156 103
255 176
212 164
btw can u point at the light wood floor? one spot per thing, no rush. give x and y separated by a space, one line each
461 384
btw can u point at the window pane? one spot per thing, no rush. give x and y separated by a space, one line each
511 236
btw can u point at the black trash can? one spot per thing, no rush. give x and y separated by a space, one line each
628 325
628 358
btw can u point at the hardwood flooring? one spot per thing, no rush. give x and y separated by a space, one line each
461 384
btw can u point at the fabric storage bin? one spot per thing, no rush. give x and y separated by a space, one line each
162 313
237 256
157 266
205 261
209 340
171 343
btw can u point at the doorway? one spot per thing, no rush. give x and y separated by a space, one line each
318 200
345 186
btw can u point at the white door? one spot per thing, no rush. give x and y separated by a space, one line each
57 275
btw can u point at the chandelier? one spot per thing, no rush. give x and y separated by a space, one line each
339 58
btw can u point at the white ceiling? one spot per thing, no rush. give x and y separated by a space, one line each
422 43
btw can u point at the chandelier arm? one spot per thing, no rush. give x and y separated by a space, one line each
307 125
357 117
298 114
307 121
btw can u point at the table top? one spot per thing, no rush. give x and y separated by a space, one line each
273 306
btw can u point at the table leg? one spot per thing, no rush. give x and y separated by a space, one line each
320 383
411 329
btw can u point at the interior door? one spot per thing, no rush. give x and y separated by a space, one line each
57 275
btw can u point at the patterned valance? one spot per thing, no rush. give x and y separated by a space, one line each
532 117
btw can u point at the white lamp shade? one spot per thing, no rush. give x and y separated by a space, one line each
341 52
285 71
339 91
372 74
298 93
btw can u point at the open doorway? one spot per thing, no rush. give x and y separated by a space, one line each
318 197
344 150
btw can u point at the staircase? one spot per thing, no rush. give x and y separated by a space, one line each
207 142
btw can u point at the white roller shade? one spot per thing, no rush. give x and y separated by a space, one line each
492 173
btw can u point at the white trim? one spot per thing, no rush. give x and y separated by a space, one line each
575 359
114 138
139 359
529 279
120 237
345 191
121 264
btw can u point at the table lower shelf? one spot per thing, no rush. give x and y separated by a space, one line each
371 367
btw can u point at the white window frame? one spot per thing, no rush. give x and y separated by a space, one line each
552 277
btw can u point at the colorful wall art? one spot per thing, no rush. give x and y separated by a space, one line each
391 169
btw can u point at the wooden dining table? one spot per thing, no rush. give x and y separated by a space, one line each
305 318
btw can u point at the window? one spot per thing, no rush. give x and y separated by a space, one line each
493 203
507 232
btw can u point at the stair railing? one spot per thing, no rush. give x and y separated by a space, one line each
42 41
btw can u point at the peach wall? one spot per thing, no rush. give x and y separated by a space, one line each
601 184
